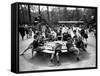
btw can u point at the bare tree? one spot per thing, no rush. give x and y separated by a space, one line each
29 14
48 14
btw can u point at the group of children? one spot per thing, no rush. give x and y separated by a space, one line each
74 44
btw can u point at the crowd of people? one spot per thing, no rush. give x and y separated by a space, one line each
73 36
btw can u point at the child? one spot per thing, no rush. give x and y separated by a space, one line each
57 51
34 46
72 48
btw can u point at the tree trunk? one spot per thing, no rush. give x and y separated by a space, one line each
48 15
39 10
29 14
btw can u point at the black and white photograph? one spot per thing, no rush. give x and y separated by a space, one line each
55 37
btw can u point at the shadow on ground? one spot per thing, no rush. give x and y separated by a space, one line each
42 59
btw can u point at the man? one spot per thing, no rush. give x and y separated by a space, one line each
57 51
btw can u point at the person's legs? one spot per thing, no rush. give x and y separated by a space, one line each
67 45
86 43
57 55
76 51
77 57
83 48
58 60
52 57
34 52
26 50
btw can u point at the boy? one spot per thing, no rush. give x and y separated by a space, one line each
57 51
72 48
34 46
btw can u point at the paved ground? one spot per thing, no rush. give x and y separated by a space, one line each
41 60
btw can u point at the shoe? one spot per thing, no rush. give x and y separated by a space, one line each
21 54
78 59
51 61
58 63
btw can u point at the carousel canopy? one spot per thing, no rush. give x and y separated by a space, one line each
69 22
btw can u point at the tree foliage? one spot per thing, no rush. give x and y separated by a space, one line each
27 14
